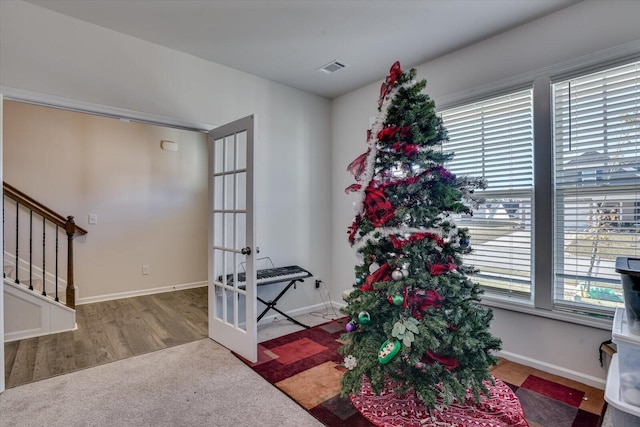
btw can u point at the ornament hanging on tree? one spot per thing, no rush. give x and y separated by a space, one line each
351 326
397 274
397 299
373 267
388 351
350 362
364 317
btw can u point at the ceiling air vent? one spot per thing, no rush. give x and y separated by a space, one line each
331 67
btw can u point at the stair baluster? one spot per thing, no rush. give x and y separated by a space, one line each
17 241
57 230
44 240
31 250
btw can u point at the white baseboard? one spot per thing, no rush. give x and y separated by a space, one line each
589 380
299 312
129 294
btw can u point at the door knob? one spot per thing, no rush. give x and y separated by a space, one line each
246 251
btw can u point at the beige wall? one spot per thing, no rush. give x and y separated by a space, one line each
151 204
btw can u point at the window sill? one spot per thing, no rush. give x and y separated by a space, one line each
506 303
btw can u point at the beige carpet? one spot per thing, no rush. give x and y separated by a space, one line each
195 384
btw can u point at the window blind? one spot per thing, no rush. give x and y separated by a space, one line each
493 139
597 184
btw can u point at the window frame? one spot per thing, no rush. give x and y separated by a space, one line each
541 302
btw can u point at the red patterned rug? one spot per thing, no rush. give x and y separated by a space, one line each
306 366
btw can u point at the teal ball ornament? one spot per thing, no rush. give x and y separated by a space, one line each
397 299
364 317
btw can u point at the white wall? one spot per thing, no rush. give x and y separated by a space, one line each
580 30
48 53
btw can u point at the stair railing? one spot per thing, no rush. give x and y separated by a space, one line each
61 223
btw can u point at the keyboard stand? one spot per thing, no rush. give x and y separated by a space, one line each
271 305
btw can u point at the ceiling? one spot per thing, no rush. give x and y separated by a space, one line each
288 40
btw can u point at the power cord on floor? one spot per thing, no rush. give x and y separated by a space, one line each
327 306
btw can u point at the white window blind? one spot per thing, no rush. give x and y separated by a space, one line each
493 139
597 180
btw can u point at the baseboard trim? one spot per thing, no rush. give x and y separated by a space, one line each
129 294
583 378
299 312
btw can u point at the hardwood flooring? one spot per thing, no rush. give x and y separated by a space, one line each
109 331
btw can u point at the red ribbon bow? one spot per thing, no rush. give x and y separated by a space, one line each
421 299
389 82
449 363
398 242
382 274
377 207
353 228
357 166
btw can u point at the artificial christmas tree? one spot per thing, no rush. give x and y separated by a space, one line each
415 322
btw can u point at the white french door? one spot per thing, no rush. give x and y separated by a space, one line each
232 274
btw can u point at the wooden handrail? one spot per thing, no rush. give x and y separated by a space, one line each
67 223
20 197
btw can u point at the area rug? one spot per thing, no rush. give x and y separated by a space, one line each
306 366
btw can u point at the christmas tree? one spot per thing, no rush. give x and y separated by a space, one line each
414 315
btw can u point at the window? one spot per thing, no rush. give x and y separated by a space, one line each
493 139
553 248
597 181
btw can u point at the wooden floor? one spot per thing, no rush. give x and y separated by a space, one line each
109 331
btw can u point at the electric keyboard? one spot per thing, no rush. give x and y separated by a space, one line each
291 274
272 275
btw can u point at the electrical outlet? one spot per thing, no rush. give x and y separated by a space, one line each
318 281
145 270
93 219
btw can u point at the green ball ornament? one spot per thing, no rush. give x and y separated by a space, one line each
397 299
364 317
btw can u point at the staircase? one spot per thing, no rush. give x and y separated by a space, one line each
39 296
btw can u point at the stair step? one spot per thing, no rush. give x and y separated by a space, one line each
36 283
7 270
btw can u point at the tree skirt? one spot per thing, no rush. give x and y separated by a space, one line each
390 410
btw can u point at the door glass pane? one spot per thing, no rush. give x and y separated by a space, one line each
229 154
218 155
228 192
241 146
241 182
217 229
218 192
242 320
241 238
230 267
220 297
228 231
218 270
